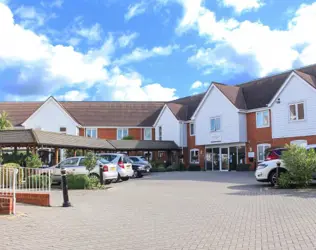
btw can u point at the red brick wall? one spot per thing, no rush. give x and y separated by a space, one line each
37 199
111 133
137 133
191 145
6 205
107 133
81 131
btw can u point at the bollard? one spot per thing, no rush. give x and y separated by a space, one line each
101 174
65 188
277 174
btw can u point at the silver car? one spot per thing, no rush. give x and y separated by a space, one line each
123 164
75 165
140 159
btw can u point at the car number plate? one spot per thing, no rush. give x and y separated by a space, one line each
113 168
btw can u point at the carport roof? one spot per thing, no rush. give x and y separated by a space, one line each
30 137
144 145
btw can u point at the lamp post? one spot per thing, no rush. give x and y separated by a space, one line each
66 202
277 174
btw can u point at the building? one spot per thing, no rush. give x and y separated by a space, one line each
219 129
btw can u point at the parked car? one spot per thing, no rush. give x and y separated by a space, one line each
266 170
140 169
75 165
140 159
123 164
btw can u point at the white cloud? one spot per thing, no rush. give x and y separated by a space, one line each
268 49
128 86
140 54
127 39
92 33
29 16
243 5
135 10
196 85
57 3
73 95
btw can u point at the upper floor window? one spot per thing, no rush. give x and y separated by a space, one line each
192 132
194 156
215 124
160 133
261 151
63 130
297 111
262 119
121 133
91 132
147 134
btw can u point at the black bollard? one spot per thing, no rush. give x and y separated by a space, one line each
101 174
66 202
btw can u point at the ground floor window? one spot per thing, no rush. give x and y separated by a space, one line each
194 156
261 149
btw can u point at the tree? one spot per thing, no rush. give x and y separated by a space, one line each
4 121
33 161
90 161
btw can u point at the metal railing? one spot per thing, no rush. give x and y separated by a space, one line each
8 184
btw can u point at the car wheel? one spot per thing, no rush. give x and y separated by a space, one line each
135 175
93 176
273 178
125 178
107 182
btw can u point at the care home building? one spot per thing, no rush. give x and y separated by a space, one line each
219 129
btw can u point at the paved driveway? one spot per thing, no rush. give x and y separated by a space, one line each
202 210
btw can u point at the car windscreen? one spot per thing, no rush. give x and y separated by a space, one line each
102 160
134 159
108 158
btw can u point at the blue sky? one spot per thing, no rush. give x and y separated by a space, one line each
147 50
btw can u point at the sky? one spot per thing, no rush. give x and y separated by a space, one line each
147 50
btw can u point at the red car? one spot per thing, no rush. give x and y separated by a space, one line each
274 153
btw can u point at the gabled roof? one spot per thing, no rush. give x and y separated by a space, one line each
234 94
307 77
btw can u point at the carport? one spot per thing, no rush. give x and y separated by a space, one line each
31 140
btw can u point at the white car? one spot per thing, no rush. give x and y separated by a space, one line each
75 165
267 170
123 164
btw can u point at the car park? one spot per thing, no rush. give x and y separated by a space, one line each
76 165
123 164
267 170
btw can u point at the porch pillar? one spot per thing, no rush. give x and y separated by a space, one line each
56 155
33 150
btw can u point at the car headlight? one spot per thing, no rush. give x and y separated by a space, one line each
262 166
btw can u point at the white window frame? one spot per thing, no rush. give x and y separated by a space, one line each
198 156
151 134
296 110
192 124
117 133
220 123
96 132
63 132
262 112
160 134
265 145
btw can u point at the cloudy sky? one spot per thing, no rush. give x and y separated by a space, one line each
147 49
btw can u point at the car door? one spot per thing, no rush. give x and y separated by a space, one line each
82 169
71 165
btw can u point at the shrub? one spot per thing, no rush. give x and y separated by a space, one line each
11 165
128 137
194 167
284 180
80 181
161 168
90 161
243 167
170 168
33 161
300 163
37 181
181 167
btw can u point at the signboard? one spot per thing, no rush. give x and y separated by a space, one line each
216 137
251 154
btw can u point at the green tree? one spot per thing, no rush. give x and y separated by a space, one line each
90 160
33 161
4 121
300 163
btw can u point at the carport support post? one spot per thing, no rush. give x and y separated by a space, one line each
56 155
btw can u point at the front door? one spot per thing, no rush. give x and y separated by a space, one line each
224 159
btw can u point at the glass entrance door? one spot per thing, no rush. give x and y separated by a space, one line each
224 159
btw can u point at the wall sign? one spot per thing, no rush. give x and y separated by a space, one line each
216 137
251 154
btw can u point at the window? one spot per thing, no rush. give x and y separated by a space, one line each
134 159
160 133
262 119
147 134
194 156
297 111
91 132
192 132
215 124
82 162
69 162
121 133
261 149
63 130
148 156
